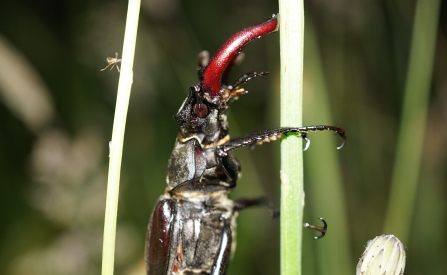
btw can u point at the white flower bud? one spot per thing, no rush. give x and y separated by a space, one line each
384 255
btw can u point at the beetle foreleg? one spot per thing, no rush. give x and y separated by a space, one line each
273 134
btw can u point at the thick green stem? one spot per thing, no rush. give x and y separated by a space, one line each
292 196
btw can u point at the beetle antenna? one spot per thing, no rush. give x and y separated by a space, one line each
247 77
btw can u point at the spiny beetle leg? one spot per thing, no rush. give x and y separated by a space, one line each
323 229
272 134
241 204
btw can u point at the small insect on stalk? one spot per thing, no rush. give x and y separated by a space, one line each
193 225
112 62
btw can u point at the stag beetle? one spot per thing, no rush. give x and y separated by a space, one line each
192 227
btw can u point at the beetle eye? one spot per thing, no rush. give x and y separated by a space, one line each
201 110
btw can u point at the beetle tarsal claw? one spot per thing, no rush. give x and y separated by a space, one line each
343 144
323 229
304 136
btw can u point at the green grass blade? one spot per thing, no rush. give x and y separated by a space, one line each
325 189
116 145
291 51
414 114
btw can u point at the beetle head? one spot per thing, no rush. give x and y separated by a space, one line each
197 117
202 114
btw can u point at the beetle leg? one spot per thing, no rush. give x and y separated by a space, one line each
323 229
273 134
223 255
231 168
241 204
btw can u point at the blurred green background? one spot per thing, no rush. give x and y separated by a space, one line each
57 108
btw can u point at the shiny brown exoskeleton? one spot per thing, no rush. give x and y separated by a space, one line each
192 227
